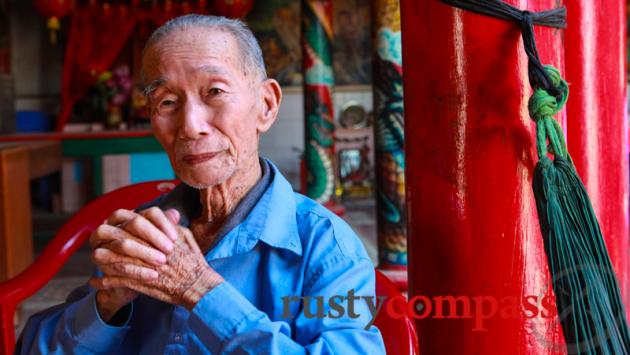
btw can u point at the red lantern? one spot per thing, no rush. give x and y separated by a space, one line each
233 8
54 10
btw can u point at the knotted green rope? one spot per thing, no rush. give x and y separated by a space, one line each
542 107
587 294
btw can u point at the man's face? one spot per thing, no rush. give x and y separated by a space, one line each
206 111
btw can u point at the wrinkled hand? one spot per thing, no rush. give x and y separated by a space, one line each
183 279
131 244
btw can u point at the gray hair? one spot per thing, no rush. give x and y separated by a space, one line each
251 54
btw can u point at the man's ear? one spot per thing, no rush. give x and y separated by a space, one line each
272 97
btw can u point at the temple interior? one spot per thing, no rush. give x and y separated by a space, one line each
436 182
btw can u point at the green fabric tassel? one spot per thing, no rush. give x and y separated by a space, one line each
589 302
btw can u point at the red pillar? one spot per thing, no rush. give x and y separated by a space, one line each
597 123
470 152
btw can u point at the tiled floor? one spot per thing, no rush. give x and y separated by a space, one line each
360 215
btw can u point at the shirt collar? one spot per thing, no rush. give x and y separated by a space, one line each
272 220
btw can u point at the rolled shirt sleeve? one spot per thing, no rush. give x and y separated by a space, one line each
92 332
71 328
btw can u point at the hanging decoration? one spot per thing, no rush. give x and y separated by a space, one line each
588 298
54 10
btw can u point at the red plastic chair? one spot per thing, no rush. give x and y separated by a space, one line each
399 334
69 238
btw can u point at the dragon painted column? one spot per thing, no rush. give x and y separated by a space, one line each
389 135
319 126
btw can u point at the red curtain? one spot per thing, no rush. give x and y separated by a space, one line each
98 33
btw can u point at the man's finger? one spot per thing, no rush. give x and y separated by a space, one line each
142 288
115 282
144 229
131 271
133 248
128 250
159 219
124 243
111 263
173 215
128 245
120 216
103 234
96 282
111 282
190 239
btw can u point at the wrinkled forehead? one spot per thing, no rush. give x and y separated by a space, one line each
191 47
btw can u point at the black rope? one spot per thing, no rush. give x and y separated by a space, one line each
538 77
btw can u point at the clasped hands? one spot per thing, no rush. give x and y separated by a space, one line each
148 252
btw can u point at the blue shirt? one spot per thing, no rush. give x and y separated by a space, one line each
287 247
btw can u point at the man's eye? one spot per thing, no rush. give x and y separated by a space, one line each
167 106
215 92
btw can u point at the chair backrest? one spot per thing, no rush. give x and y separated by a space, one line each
398 333
69 238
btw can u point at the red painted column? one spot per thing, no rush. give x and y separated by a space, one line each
597 123
470 155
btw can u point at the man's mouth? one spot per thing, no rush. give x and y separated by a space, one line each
194 159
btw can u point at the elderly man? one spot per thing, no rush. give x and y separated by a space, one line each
227 261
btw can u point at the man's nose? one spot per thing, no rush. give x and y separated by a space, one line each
194 121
